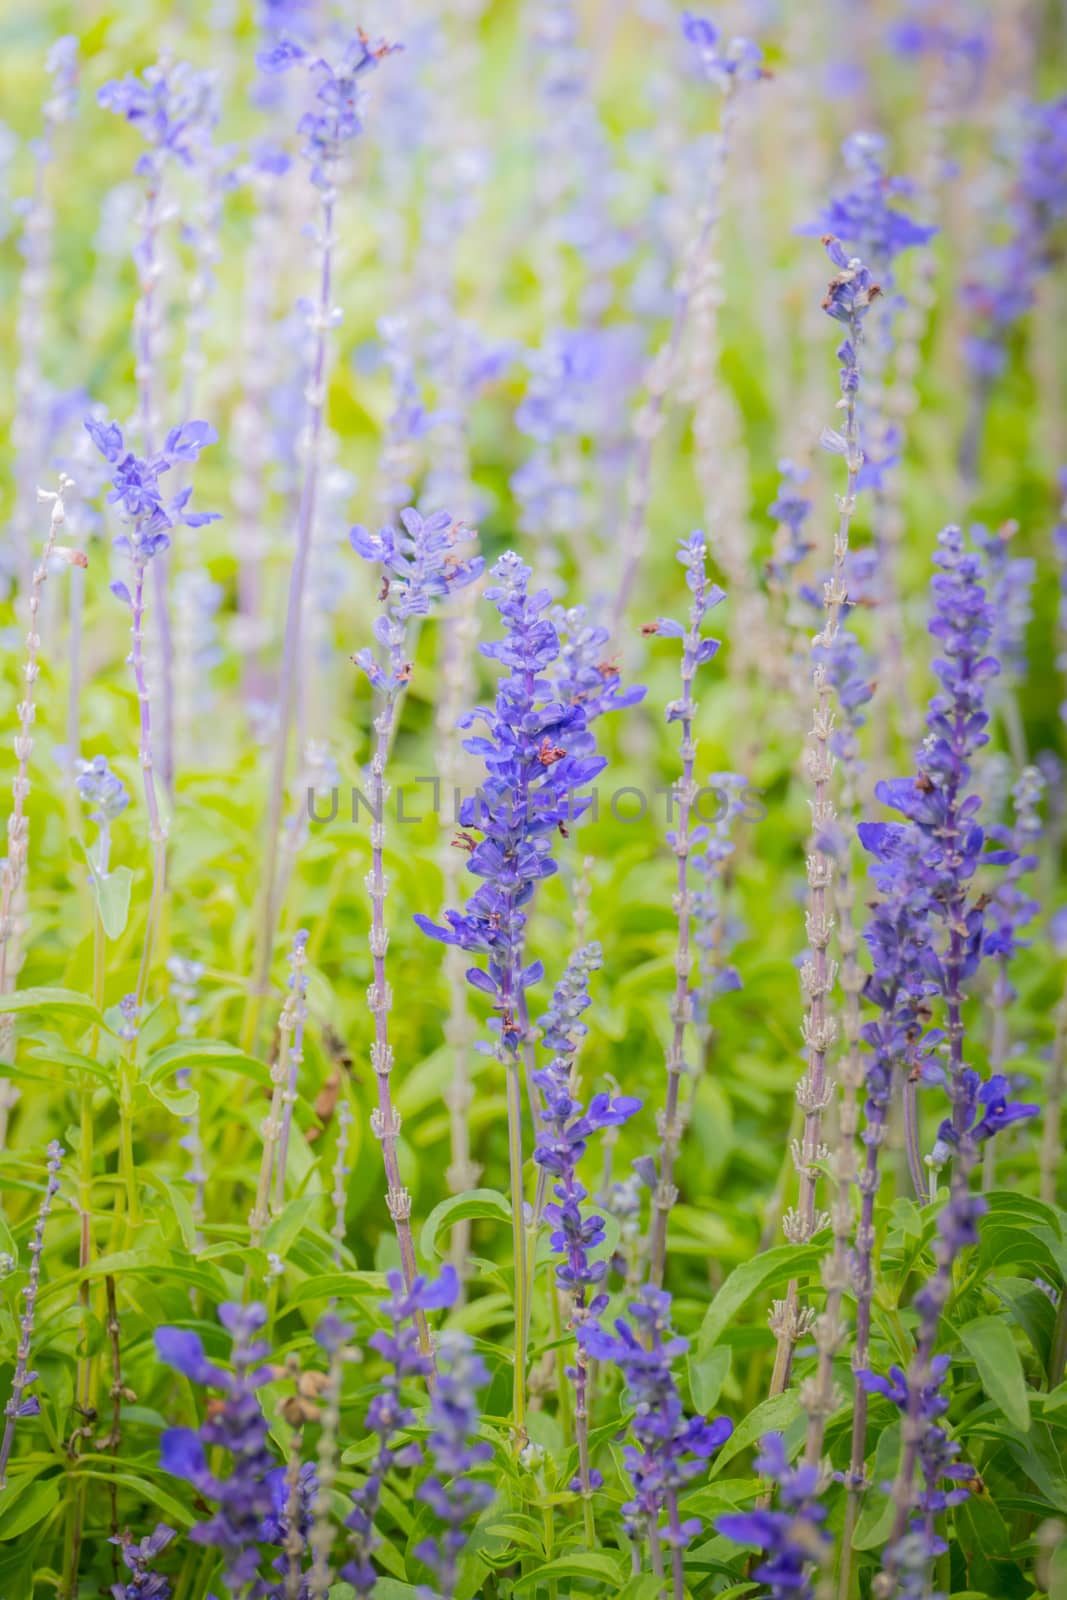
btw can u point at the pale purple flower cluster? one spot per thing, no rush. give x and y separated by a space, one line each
388 1416
100 788
1003 290
538 752
671 1447
790 509
20 1404
715 931
721 61
792 1537
245 1499
423 563
136 489
452 1491
139 1557
863 216
336 115
1010 583
171 105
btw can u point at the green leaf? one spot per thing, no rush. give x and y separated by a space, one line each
770 1416
57 1001
988 1342
213 1053
763 1272
113 900
285 1229
875 1521
28 1503
476 1204
181 1102
708 1371
342 1286
645 1587
591 1565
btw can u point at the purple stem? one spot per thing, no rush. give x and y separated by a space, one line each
666 1192
385 1119
291 662
144 319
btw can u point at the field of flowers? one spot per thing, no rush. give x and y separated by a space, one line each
533 933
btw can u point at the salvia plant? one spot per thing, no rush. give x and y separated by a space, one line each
533 932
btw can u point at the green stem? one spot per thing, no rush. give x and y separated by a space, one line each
513 1069
566 1420
1057 1359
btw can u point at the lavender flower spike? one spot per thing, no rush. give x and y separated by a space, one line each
793 1539
236 1426
328 129
537 752
451 1492
848 300
728 65
560 1146
423 562
696 652
670 1447
149 519
18 1404
401 1347
139 1557
13 868
171 105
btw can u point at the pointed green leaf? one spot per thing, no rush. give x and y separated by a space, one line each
988 1342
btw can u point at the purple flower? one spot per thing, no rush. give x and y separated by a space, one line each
19 1404
670 1447
235 1425
388 1417
336 114
921 1400
792 1538
1010 582
559 1148
454 1495
863 217
722 63
171 104
423 564
139 1558
135 487
715 931
1003 289
790 510
537 752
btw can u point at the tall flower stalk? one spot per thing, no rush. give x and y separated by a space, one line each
538 752
329 128
400 1346
696 652
30 426
170 104
283 1073
848 300
560 1146
149 520
19 1404
422 562
14 866
927 939
730 67
670 1447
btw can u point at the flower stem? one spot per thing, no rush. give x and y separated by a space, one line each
291 668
